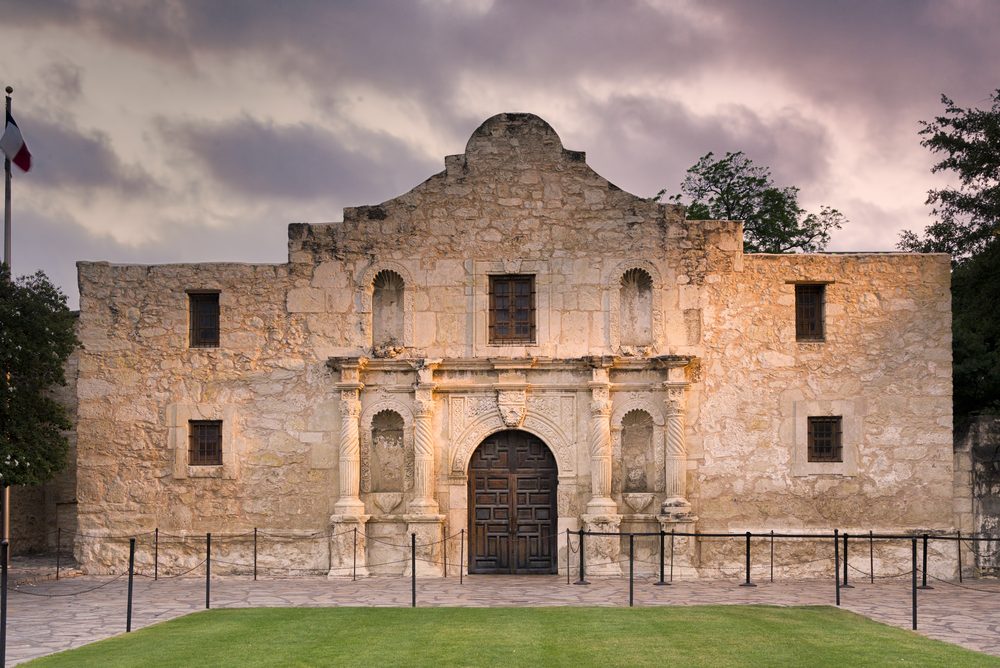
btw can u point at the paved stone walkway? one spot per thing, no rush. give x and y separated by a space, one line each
48 616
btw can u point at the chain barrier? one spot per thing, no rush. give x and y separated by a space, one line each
16 590
174 576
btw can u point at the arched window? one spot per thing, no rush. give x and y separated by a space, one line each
388 456
638 455
387 311
636 308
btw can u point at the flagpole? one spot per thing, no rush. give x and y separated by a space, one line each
6 259
6 202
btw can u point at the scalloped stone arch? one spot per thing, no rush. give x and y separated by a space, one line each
612 285
538 425
368 414
365 287
655 409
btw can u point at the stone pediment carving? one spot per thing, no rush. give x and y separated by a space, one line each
513 406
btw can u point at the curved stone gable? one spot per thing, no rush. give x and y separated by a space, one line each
514 192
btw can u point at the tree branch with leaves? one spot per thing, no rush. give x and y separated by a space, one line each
733 188
37 336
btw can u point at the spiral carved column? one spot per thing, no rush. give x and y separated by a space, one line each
348 544
423 459
601 502
350 502
675 461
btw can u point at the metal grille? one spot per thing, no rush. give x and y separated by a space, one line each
825 439
512 309
809 311
204 318
205 442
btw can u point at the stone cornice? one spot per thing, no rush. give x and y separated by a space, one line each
611 362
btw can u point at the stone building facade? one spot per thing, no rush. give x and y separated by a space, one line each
514 348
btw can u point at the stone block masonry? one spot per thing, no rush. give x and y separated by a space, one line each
516 291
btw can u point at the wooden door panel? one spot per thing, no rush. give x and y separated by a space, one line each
512 483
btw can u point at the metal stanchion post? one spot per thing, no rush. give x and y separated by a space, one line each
208 570
446 551
845 585
461 558
4 548
960 557
567 556
871 555
354 557
413 570
923 575
913 580
663 555
631 570
671 555
131 570
582 580
156 554
58 548
255 554
836 561
772 555
748 583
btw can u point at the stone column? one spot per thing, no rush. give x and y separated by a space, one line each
424 445
349 502
423 502
347 524
602 511
676 504
600 502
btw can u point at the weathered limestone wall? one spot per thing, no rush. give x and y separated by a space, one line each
140 382
711 377
885 366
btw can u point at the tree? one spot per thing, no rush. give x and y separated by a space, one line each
975 292
968 227
36 337
733 188
968 141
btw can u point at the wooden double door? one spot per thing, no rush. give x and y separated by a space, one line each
512 505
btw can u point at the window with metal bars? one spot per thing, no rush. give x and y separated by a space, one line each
204 319
825 439
204 442
512 309
809 307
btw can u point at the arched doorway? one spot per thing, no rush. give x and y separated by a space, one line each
512 505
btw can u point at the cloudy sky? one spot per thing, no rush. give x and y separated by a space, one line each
173 131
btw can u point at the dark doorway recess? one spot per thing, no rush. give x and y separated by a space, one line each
512 505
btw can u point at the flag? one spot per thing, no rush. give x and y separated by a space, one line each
12 144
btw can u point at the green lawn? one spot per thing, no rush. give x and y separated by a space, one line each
376 637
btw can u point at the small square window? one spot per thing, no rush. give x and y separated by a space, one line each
204 319
512 309
825 439
809 308
205 443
